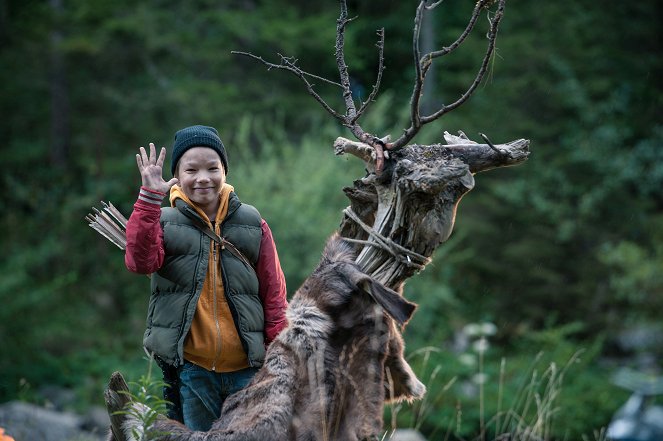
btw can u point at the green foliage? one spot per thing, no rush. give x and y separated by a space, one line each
636 275
147 405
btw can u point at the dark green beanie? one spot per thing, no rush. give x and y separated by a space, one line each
197 136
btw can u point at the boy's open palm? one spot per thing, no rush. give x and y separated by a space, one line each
151 169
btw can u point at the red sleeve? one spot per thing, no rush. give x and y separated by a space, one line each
272 285
144 253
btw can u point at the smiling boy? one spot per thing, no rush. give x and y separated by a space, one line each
218 291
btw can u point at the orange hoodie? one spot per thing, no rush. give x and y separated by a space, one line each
213 342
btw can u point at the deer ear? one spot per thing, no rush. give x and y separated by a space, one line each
393 303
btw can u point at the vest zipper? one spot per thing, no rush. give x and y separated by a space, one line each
216 312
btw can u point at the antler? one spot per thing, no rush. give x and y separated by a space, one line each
423 64
352 115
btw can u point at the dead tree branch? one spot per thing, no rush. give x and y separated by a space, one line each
424 63
343 20
290 66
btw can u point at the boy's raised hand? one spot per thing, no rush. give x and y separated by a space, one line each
151 169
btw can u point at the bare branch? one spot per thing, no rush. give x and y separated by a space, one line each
482 157
340 61
415 117
364 151
302 75
351 111
423 64
359 149
293 64
490 144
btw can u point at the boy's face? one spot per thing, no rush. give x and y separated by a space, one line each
201 175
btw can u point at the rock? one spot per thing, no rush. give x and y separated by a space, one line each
56 397
27 422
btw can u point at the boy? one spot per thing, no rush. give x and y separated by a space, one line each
218 291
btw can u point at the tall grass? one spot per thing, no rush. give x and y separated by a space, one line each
531 414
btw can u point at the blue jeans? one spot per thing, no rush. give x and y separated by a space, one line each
203 392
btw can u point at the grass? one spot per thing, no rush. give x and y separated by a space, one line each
529 417
472 397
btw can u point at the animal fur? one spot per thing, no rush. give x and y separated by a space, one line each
324 375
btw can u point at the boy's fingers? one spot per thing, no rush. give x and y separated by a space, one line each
139 161
162 157
171 182
143 155
153 154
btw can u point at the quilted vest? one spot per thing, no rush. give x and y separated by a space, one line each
177 285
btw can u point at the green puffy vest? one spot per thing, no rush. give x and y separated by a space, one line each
177 285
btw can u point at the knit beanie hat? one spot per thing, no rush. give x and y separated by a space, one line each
197 136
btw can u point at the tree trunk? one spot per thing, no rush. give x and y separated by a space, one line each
4 22
59 151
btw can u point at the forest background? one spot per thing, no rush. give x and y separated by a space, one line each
555 262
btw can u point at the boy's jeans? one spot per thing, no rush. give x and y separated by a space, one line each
203 392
